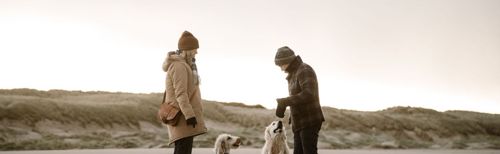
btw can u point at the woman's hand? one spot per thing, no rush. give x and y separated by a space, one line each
192 121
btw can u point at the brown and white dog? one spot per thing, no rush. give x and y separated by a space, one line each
275 137
225 142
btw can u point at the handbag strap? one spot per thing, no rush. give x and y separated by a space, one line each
164 94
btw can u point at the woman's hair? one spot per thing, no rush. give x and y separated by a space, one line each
189 57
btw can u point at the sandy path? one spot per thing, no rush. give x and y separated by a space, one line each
250 151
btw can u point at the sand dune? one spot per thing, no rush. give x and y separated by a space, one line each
57 119
250 151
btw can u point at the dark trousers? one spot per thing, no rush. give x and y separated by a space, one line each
305 141
184 145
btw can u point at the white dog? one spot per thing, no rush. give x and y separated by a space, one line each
275 137
225 142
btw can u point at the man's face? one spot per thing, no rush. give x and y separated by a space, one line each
283 67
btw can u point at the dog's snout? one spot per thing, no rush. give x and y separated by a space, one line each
280 124
237 143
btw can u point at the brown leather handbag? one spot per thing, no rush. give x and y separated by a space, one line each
168 113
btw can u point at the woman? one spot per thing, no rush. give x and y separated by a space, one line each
182 90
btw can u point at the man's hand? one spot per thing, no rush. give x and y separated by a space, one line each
283 101
280 110
192 121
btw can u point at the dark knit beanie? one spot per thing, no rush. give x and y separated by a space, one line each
188 41
285 55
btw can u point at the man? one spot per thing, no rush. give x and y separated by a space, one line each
183 91
306 114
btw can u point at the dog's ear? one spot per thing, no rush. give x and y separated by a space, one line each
267 134
222 147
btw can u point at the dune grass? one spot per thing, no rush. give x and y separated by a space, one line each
58 119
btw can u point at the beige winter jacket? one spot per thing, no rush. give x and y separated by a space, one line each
186 95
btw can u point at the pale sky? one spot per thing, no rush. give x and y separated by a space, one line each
368 54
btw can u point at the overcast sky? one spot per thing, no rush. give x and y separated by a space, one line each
368 54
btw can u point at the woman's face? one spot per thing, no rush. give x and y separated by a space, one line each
192 53
195 51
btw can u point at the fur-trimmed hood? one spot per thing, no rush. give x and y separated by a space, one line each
172 57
